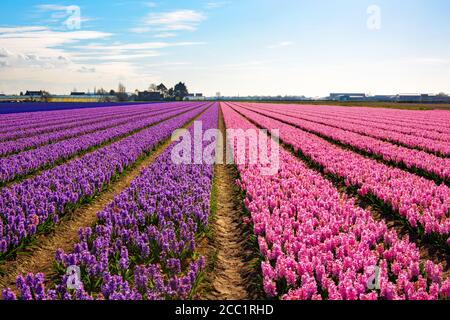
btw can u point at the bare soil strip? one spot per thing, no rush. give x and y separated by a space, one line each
40 256
230 258
427 250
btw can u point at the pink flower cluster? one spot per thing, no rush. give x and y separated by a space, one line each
416 129
424 204
317 244
419 141
431 121
431 164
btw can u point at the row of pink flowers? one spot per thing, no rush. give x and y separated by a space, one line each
434 121
423 203
414 130
411 158
440 147
317 244
429 127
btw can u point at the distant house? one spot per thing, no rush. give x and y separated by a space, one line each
422 98
34 93
347 96
149 96
409 98
195 97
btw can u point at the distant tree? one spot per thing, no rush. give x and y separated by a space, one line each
152 88
122 93
162 89
112 92
45 96
21 93
170 93
102 92
180 91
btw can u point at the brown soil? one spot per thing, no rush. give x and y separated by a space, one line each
230 257
40 256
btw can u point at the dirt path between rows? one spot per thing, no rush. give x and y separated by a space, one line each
40 256
230 275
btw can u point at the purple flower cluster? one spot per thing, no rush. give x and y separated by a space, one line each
33 140
21 130
440 167
143 245
27 205
421 202
317 244
31 287
16 126
23 163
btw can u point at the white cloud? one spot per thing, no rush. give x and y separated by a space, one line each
40 47
7 30
85 69
20 60
118 57
178 20
137 46
131 52
37 56
281 44
169 24
51 7
45 43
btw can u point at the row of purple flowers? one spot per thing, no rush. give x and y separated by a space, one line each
33 203
27 162
144 243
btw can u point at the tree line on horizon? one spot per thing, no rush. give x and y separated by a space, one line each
175 93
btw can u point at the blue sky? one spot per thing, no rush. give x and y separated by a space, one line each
245 47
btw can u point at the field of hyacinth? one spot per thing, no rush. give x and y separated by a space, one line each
359 208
